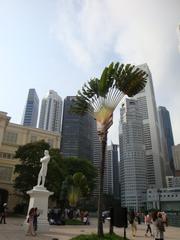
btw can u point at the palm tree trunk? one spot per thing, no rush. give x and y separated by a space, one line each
103 139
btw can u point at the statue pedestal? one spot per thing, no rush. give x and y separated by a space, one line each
39 198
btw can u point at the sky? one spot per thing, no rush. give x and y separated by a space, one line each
61 44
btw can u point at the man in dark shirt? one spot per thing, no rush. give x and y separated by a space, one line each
3 213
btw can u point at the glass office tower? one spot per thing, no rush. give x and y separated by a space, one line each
77 133
51 112
30 115
167 139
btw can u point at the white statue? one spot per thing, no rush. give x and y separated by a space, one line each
43 171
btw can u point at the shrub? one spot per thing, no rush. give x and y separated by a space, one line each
95 237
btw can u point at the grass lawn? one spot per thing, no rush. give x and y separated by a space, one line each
95 237
73 222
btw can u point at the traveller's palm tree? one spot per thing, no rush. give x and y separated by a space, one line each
76 187
100 97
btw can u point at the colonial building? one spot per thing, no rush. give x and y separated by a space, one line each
11 137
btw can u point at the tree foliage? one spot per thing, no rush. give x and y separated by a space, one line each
72 165
58 168
27 171
74 187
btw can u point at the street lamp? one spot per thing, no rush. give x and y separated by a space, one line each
159 198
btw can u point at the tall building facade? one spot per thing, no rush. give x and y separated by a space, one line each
176 158
51 112
97 156
167 140
153 153
30 115
133 166
77 133
113 170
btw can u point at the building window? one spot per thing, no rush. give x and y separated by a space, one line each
10 137
6 173
50 142
33 138
4 155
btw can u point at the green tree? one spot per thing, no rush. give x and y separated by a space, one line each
55 174
76 188
58 169
28 169
72 165
100 97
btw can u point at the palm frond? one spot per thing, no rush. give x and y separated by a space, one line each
130 79
100 97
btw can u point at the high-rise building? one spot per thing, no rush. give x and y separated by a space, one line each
77 133
113 170
31 109
132 156
108 166
176 158
51 112
167 140
153 153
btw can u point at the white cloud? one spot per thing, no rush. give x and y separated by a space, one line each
137 31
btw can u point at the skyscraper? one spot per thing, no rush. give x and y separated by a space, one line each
176 158
167 140
51 112
153 153
131 143
113 170
97 156
76 133
31 109
132 156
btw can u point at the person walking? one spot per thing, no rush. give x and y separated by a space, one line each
36 215
159 228
132 221
30 221
3 213
148 221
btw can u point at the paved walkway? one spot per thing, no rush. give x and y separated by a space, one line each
14 231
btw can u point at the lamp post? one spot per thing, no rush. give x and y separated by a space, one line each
159 198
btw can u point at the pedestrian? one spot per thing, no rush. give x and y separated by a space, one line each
165 219
30 220
154 215
36 215
3 213
138 218
86 218
132 221
148 221
159 228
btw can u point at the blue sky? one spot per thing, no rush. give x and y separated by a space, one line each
60 44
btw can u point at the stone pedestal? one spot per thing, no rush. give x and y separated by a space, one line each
39 198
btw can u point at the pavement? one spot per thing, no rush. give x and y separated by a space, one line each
14 230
